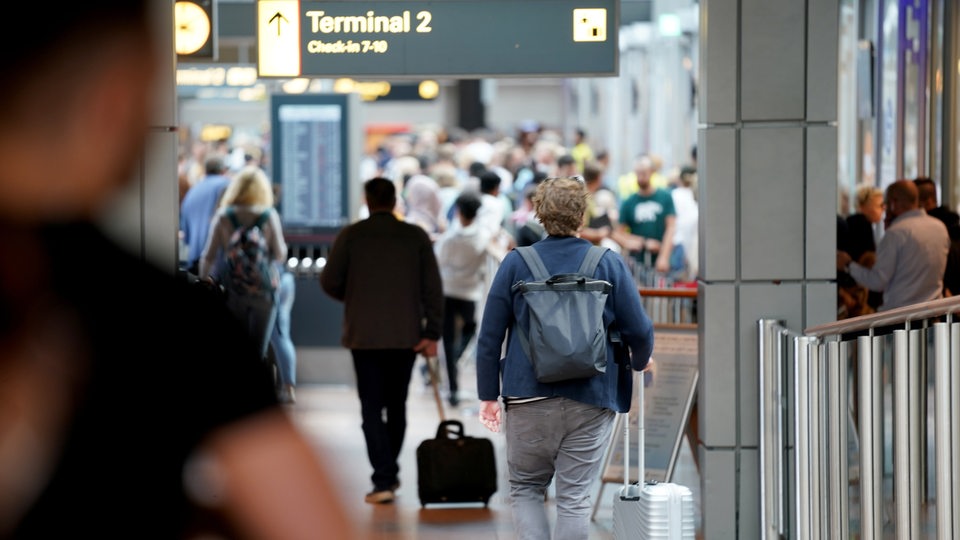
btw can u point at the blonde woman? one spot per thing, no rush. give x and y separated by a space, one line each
863 230
248 197
862 226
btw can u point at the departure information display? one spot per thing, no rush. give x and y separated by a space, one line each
438 38
309 138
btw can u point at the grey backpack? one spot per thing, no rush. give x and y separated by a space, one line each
565 337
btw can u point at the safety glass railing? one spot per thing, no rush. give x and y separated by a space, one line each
859 422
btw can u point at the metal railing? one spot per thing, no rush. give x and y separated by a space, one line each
875 378
672 306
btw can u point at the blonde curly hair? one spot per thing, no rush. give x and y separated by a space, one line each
560 204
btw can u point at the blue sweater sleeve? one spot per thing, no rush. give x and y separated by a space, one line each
635 326
497 318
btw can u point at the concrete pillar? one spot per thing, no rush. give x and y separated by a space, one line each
767 153
146 217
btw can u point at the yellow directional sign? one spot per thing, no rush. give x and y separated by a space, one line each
590 24
278 38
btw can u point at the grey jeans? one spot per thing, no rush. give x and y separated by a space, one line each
559 438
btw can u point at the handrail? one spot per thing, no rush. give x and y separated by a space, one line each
674 292
670 307
914 312
891 371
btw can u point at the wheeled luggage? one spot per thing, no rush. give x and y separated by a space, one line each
650 510
453 467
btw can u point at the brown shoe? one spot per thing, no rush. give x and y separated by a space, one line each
379 497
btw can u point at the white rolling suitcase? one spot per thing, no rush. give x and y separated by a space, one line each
650 510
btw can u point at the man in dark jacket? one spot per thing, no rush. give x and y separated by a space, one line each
385 272
928 201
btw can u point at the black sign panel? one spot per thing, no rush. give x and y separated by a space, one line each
457 38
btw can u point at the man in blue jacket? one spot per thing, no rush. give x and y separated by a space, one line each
198 207
556 430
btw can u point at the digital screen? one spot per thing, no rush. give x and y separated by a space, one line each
309 162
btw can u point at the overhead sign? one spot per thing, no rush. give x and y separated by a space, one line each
455 38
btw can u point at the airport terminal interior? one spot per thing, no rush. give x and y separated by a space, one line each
785 109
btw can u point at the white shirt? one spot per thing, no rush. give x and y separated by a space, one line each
910 263
491 214
461 256
688 214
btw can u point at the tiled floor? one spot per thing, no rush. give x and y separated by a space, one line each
327 409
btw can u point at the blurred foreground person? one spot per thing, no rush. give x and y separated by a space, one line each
117 421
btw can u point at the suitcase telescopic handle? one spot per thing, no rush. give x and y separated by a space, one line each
641 466
640 439
626 452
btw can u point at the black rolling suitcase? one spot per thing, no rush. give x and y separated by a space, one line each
453 467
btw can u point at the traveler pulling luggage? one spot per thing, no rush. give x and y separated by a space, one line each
649 510
453 467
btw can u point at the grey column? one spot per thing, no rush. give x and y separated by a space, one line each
146 218
767 148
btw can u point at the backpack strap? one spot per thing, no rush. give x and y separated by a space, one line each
588 267
232 214
262 218
534 262
590 261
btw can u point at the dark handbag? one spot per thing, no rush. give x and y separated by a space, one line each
206 286
455 468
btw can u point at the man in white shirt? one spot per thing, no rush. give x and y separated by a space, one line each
462 257
492 213
912 255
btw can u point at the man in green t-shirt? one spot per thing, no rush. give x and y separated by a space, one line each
648 221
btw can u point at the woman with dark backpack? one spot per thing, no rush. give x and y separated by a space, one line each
245 252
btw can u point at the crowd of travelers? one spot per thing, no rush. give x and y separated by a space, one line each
471 198
642 213
646 214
